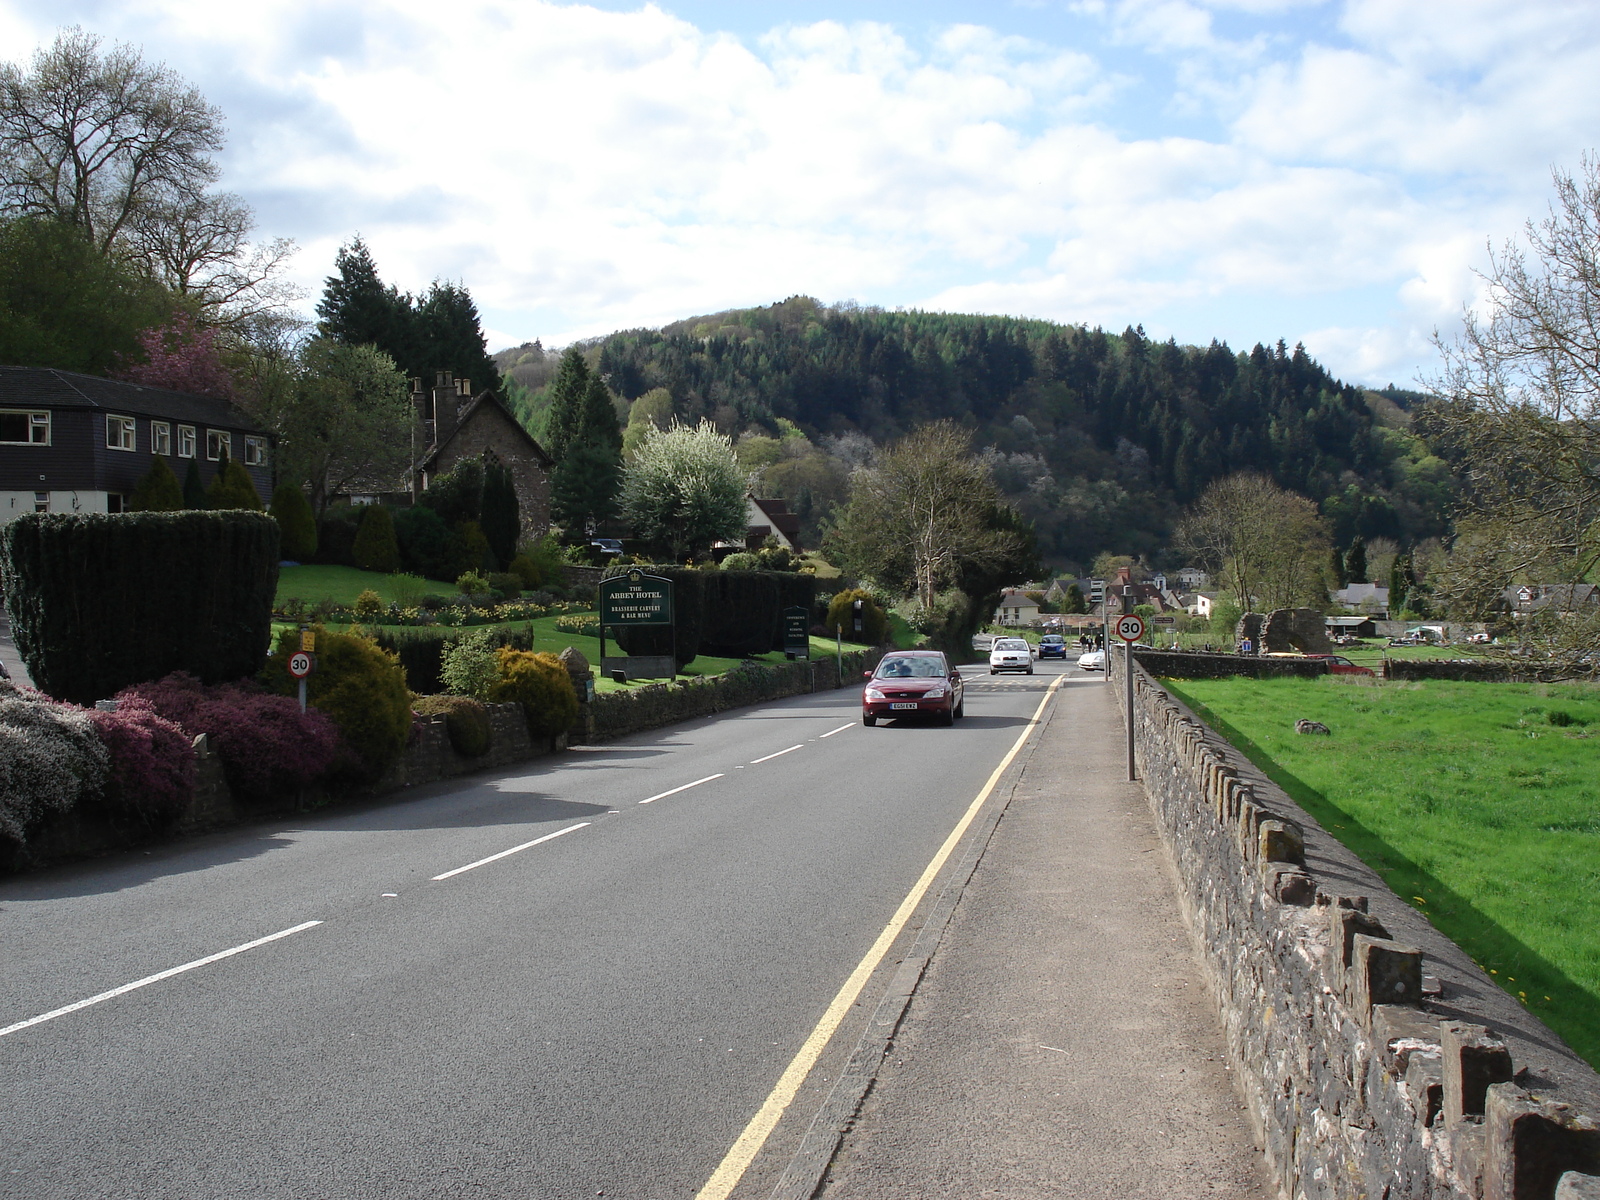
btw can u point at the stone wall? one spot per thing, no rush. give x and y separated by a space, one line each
1377 1061
1184 664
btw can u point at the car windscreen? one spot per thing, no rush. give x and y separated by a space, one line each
911 668
1011 644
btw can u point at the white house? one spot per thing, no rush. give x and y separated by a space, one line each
1363 597
1191 579
1016 609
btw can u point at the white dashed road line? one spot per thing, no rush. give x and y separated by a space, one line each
156 978
841 729
683 788
514 850
770 757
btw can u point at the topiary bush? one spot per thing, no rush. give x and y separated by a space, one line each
268 747
471 583
741 560
232 487
336 536
368 606
506 584
152 765
375 546
841 615
362 687
99 602
50 761
466 721
688 611
428 546
158 490
297 524
526 571
540 683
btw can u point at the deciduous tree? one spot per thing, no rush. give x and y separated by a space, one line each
683 490
1268 546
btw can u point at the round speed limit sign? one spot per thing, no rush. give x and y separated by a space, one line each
299 664
1130 628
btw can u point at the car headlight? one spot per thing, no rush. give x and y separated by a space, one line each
874 694
934 694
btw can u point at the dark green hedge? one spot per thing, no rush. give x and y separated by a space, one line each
100 602
421 650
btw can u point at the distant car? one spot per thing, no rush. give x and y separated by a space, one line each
1053 645
1094 660
1339 665
914 683
606 546
1010 654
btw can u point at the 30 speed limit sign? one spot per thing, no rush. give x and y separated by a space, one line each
1130 628
299 664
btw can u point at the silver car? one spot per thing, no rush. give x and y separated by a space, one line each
1095 660
1010 654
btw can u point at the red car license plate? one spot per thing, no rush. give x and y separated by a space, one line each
909 704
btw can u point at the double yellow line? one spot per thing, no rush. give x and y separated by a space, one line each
743 1152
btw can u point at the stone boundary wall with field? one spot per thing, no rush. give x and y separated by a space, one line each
1376 1060
1182 664
1465 672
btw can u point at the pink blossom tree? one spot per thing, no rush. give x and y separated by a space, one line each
182 356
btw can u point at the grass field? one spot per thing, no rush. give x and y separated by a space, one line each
343 584
1478 803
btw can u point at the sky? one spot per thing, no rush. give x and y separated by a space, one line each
1331 172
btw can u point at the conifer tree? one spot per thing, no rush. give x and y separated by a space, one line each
357 309
157 491
569 393
1355 561
297 524
584 485
501 512
232 487
194 491
449 337
376 548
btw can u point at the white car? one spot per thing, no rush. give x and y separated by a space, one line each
1010 654
1095 660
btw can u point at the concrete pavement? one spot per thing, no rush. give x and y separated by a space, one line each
1061 1042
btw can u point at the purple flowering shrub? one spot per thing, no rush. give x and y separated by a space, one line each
152 763
267 745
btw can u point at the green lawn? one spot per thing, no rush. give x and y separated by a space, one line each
1470 802
343 584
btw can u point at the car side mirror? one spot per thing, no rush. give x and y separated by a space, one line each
866 674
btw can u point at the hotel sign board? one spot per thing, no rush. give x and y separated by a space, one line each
635 599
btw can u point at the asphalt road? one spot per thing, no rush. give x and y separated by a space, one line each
600 1013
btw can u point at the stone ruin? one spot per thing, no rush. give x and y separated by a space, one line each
1284 631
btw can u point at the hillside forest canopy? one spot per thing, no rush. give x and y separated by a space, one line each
1101 440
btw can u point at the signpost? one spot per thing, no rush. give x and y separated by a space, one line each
636 599
301 665
1130 628
797 631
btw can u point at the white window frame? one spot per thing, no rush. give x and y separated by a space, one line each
218 440
161 438
121 432
255 451
37 419
186 441
41 502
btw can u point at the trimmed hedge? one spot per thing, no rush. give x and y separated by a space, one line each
420 650
99 602
466 721
616 714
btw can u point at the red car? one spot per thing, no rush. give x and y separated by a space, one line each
1339 665
913 683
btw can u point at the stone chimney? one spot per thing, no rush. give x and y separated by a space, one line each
446 393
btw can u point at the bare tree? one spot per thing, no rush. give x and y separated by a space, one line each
1520 412
123 150
1268 545
924 514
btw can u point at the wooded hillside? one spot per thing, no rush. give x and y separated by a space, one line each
1100 438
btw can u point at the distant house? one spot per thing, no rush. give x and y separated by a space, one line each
1201 604
770 518
1191 579
79 443
1016 608
458 425
1529 598
1361 627
1368 598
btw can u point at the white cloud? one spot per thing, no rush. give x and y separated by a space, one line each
584 170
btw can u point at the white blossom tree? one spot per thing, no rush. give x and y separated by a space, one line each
683 490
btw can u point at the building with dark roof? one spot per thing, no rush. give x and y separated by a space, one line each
79 443
458 425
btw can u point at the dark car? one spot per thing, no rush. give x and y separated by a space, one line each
913 683
1053 645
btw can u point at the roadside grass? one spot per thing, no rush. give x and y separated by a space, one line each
342 585
1478 803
